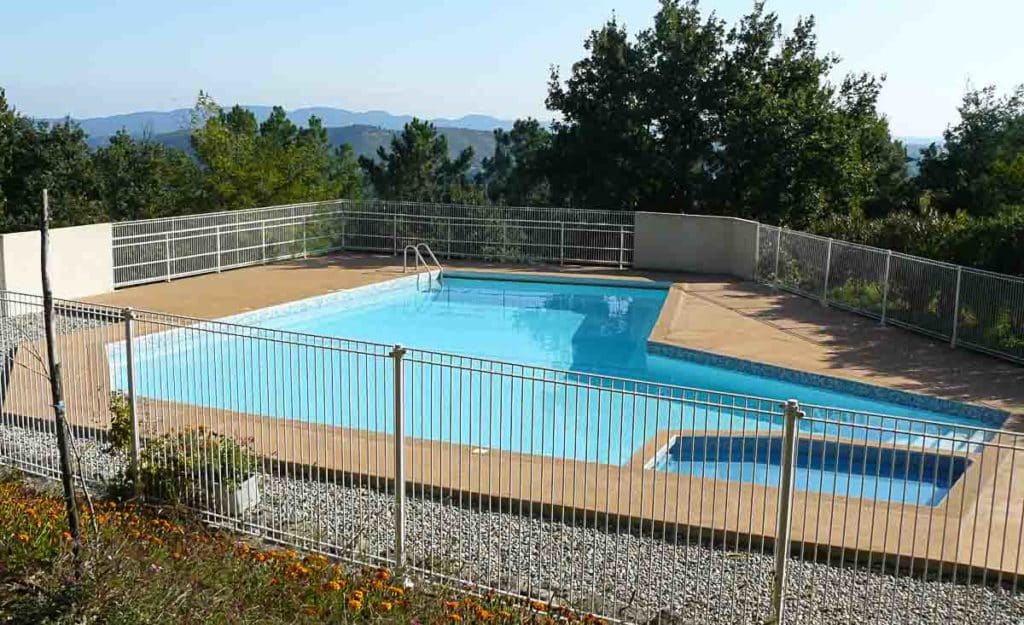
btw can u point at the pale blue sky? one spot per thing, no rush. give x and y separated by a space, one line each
448 58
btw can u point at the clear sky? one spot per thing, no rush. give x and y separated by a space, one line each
448 58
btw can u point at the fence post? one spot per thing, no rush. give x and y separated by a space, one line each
885 285
778 251
167 253
133 461
561 245
448 252
783 524
263 240
305 225
757 249
622 244
396 355
828 268
218 249
956 307
394 235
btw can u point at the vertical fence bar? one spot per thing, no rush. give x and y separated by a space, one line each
305 225
133 466
263 240
448 254
167 253
218 249
885 285
396 354
828 269
622 244
561 244
956 306
757 249
394 234
778 252
784 525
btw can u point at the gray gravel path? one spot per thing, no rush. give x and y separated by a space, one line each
623 575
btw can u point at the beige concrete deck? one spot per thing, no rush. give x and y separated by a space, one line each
978 525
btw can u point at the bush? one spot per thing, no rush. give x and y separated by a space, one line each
179 467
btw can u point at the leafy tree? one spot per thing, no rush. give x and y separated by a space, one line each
144 179
37 156
602 149
691 116
981 166
417 168
516 173
247 164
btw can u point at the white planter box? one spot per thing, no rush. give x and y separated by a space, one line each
236 501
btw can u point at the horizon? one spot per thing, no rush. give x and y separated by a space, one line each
452 61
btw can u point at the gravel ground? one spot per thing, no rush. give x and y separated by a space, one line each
623 575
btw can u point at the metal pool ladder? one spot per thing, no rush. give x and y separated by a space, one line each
419 259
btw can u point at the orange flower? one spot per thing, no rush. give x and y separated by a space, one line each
396 591
23 538
355 605
455 618
451 605
66 536
384 575
357 595
385 606
332 586
537 605
484 615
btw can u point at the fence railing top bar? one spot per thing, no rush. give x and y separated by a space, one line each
625 216
949 430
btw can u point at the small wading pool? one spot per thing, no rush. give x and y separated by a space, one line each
881 473
577 331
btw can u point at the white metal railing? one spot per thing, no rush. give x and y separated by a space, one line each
971 308
618 496
167 248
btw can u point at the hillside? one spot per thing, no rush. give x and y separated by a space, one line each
164 122
366 139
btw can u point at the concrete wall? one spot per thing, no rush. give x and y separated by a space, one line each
695 243
81 261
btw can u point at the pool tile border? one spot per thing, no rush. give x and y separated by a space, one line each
990 416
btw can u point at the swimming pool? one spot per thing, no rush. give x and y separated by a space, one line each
880 473
580 333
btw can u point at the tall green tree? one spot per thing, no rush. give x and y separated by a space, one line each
516 173
248 164
417 168
37 156
603 148
981 166
742 121
141 179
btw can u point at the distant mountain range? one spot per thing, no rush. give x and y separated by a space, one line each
366 139
364 131
160 122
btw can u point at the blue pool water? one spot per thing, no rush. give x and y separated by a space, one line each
899 475
582 330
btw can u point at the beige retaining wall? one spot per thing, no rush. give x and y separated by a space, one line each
81 261
695 243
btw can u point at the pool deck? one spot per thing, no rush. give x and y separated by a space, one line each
979 525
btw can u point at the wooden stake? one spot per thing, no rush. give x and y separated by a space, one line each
56 389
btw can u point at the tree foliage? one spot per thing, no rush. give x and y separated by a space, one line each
980 168
417 168
249 164
695 116
517 171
